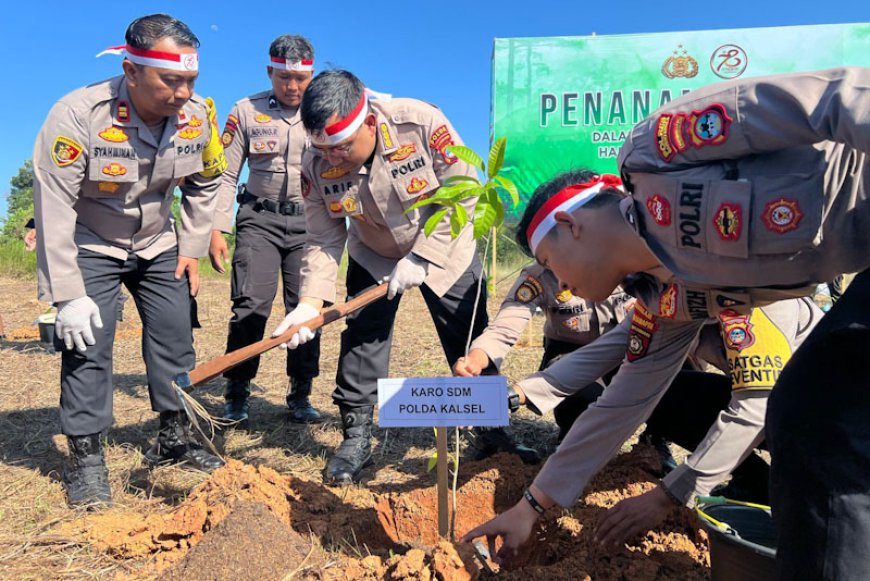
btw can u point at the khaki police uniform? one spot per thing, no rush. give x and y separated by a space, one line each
752 359
748 192
270 224
366 210
104 183
570 321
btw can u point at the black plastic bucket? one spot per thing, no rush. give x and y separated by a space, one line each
742 544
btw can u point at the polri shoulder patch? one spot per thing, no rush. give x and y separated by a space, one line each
65 150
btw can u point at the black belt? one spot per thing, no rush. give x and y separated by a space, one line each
260 204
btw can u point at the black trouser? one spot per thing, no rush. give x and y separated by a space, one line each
266 243
367 340
818 428
167 340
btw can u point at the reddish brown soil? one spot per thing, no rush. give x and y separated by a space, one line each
366 534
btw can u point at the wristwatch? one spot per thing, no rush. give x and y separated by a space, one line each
513 399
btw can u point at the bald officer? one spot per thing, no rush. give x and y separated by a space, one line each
106 165
744 193
370 161
266 130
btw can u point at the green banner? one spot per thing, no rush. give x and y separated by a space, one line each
569 102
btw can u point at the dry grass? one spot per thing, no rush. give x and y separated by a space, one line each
32 500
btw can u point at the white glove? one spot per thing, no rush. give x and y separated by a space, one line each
74 320
298 315
410 272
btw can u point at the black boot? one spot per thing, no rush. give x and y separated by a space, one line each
355 452
86 477
175 445
236 396
488 441
301 410
662 447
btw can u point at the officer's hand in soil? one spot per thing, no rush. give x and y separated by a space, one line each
634 516
514 526
218 251
191 266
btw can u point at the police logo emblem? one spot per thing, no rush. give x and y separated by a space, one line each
680 64
660 209
564 296
736 331
668 302
335 207
728 221
349 204
195 121
64 151
416 185
113 135
114 169
782 215
709 126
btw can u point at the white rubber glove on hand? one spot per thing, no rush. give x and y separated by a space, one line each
410 272
300 314
74 320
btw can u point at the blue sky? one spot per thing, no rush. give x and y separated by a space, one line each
435 51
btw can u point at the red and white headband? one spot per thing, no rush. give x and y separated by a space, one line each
277 62
188 61
567 200
343 128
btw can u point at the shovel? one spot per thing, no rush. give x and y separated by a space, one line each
185 382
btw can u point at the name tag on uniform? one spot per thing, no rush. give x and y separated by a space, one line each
442 401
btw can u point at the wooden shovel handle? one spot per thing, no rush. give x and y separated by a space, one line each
213 368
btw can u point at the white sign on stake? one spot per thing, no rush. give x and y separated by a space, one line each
442 401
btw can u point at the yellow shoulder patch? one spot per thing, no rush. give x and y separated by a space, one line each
65 150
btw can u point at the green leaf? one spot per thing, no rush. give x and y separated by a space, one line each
495 201
433 461
510 188
467 155
433 221
496 157
484 217
458 220
455 179
444 193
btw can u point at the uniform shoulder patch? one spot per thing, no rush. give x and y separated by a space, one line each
643 326
529 290
65 150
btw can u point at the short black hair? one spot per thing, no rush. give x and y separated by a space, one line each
145 31
330 92
550 188
292 47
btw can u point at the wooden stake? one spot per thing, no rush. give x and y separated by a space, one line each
493 268
443 488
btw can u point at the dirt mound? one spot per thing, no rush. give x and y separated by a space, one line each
367 535
250 543
168 536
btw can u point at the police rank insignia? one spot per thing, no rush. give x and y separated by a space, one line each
416 185
262 118
385 136
643 325
736 330
113 135
668 302
64 151
728 221
660 210
333 173
404 152
114 169
530 289
123 112
189 133
782 215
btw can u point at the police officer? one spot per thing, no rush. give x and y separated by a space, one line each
744 193
106 165
370 161
266 130
570 322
